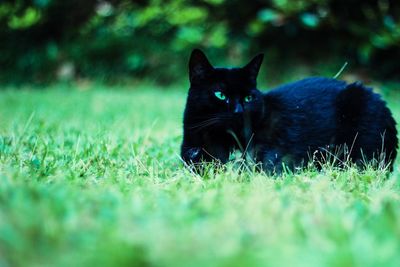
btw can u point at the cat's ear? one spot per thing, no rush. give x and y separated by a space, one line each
199 65
253 67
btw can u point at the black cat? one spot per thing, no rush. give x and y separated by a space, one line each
312 119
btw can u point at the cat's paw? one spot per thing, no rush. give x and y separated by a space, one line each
192 155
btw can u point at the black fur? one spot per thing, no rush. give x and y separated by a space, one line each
324 118
207 119
315 118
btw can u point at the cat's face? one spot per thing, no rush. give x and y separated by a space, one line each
227 95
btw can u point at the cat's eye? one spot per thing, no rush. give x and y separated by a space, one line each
248 98
220 95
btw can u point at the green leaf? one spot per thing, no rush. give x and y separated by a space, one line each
30 17
267 15
310 20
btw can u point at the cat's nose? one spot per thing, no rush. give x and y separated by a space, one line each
238 108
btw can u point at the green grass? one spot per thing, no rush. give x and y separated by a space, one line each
93 178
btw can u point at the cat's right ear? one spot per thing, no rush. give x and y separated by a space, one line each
254 66
199 66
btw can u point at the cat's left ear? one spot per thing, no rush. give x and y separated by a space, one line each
199 66
253 67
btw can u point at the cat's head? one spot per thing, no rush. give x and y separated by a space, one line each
228 94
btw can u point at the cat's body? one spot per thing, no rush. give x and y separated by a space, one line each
315 118
323 118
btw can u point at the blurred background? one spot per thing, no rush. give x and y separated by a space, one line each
46 41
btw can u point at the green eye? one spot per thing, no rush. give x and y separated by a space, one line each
248 98
220 95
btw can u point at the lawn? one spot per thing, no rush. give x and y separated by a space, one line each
91 176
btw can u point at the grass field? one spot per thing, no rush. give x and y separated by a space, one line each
93 178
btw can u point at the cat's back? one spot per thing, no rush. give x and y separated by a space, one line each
303 113
316 112
307 89
308 101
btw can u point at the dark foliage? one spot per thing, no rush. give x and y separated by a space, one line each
46 39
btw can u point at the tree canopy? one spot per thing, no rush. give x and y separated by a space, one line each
43 39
